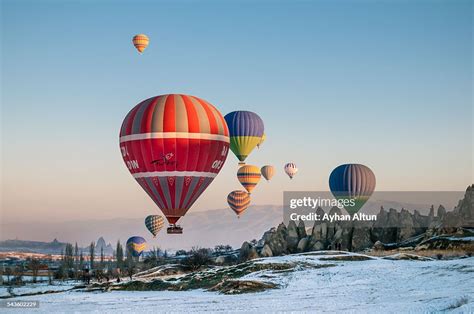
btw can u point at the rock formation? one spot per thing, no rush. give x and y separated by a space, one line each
392 229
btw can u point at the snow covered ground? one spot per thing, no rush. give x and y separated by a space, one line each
375 286
38 287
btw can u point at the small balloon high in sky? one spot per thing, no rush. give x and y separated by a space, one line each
140 42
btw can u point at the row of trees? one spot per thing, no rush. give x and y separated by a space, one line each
74 264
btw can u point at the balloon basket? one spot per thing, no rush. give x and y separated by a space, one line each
174 229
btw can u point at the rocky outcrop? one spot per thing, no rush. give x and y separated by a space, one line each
247 252
266 251
242 286
302 245
292 237
391 230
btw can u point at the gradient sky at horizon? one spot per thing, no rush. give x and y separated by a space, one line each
383 83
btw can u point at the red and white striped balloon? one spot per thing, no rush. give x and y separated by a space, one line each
174 146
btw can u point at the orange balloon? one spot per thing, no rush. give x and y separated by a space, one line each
249 176
238 201
140 42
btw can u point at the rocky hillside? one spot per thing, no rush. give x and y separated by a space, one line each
392 229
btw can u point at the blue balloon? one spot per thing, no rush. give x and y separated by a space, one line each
352 181
136 245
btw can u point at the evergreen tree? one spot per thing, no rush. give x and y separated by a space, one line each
76 260
119 255
81 261
102 259
91 255
69 256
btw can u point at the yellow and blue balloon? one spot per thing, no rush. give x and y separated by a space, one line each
136 245
246 130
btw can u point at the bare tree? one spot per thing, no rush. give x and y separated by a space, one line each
131 264
154 258
18 274
8 273
50 276
34 264
197 257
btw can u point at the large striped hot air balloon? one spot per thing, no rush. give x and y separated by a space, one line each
291 169
246 131
174 146
267 172
154 223
352 181
238 201
248 176
136 245
140 42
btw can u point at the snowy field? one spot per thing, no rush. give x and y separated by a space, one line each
376 286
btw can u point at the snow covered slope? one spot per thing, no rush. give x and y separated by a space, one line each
375 285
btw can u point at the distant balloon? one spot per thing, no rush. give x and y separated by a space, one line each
290 169
267 172
238 201
249 176
174 146
136 245
262 139
154 224
140 42
352 181
246 131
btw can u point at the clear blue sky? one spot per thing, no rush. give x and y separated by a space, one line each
383 83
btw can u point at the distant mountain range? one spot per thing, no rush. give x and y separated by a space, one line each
53 247
205 229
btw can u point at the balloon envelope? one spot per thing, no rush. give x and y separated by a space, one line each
291 169
154 223
136 245
238 201
140 42
267 172
352 181
249 176
262 139
174 146
246 131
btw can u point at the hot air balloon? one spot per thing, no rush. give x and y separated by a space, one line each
174 146
262 139
290 169
352 181
154 223
238 201
140 42
248 176
136 245
267 172
246 130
